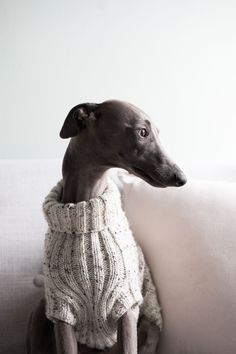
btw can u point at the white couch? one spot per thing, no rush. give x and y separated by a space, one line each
188 236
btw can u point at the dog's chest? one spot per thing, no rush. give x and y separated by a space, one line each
98 261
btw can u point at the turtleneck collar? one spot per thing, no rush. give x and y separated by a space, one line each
82 217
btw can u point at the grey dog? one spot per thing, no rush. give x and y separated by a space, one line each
106 135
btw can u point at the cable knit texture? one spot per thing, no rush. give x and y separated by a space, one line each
94 270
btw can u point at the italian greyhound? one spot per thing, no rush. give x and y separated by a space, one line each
106 135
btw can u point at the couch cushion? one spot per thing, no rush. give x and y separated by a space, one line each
188 237
24 184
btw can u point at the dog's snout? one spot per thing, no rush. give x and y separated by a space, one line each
179 179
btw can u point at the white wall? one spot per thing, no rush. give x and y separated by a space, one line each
176 59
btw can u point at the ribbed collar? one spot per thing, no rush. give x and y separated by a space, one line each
86 216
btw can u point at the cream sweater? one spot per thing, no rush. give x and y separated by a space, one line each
94 270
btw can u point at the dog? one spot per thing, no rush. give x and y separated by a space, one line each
103 136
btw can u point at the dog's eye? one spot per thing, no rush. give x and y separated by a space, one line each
143 132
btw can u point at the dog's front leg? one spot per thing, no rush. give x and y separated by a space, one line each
127 333
66 342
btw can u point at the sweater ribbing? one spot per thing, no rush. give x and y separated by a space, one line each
86 216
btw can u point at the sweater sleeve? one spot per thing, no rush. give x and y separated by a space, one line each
150 307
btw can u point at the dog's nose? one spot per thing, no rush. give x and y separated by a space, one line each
179 179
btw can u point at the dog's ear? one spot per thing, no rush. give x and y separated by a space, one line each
77 119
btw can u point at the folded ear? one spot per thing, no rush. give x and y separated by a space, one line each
77 119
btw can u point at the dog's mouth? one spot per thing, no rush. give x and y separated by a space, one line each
147 178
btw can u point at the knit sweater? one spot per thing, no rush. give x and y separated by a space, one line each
94 270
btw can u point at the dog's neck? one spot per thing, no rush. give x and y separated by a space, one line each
82 186
84 177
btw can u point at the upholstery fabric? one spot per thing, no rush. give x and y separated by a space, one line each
24 184
188 236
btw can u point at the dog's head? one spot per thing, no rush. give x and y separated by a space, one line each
122 135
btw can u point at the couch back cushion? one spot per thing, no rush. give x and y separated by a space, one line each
24 184
189 239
